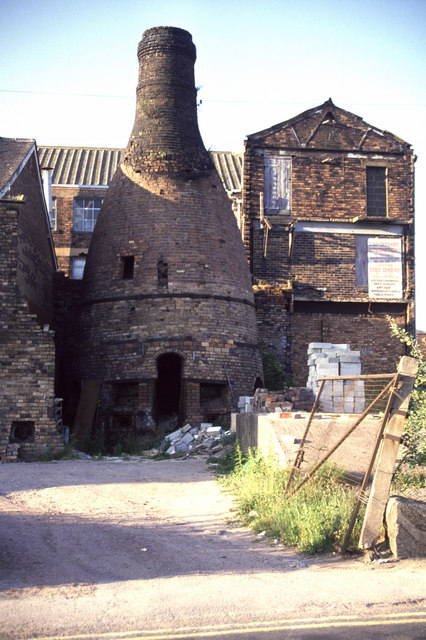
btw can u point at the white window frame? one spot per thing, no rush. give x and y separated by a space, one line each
53 215
86 211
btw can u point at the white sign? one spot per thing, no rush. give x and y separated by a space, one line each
384 268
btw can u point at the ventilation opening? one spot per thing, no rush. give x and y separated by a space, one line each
22 432
163 273
329 117
128 263
169 386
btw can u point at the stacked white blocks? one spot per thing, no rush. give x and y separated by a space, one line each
245 404
329 360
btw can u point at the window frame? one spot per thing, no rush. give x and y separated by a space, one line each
87 210
53 214
373 191
277 184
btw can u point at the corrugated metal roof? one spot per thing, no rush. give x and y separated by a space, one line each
95 166
229 167
80 165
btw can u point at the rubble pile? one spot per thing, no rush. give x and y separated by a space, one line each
285 401
187 440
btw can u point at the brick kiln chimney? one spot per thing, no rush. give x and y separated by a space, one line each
167 319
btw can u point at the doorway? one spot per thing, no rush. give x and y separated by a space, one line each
169 386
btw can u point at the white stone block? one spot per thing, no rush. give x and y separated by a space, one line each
214 431
350 369
173 436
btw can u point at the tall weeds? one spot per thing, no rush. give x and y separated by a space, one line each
314 519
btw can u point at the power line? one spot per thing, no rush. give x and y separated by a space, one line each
211 100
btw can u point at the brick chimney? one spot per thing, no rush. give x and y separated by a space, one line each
167 321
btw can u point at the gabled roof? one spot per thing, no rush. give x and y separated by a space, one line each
13 154
329 127
94 166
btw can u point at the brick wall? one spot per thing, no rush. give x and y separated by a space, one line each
27 369
330 150
166 271
364 330
68 242
35 262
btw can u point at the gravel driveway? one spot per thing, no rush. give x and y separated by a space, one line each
97 547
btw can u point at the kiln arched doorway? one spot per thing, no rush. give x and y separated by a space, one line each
169 387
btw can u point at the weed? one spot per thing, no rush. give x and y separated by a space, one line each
65 453
312 520
408 480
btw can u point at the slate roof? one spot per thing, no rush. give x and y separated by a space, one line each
13 152
92 166
329 127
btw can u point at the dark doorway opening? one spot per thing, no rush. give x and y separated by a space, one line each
169 386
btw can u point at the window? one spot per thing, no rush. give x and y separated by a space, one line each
128 263
86 213
376 191
277 184
53 215
77 267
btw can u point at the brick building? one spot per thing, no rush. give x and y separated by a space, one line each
28 407
167 320
328 207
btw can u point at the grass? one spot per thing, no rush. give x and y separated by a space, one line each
415 479
315 519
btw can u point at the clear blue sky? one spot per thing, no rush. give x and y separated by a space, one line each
68 70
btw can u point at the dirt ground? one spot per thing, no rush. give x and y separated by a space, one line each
98 547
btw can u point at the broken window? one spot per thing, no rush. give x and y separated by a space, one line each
277 184
163 273
128 263
22 432
376 180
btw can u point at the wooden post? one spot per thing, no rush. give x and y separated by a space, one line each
379 493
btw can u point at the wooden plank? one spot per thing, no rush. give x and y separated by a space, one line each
379 494
86 411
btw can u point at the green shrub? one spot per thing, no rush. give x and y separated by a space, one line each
414 436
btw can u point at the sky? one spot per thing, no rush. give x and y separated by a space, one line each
68 71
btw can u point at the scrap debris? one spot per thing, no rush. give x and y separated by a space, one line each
191 440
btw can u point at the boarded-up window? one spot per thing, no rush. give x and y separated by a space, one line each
277 184
376 191
361 264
